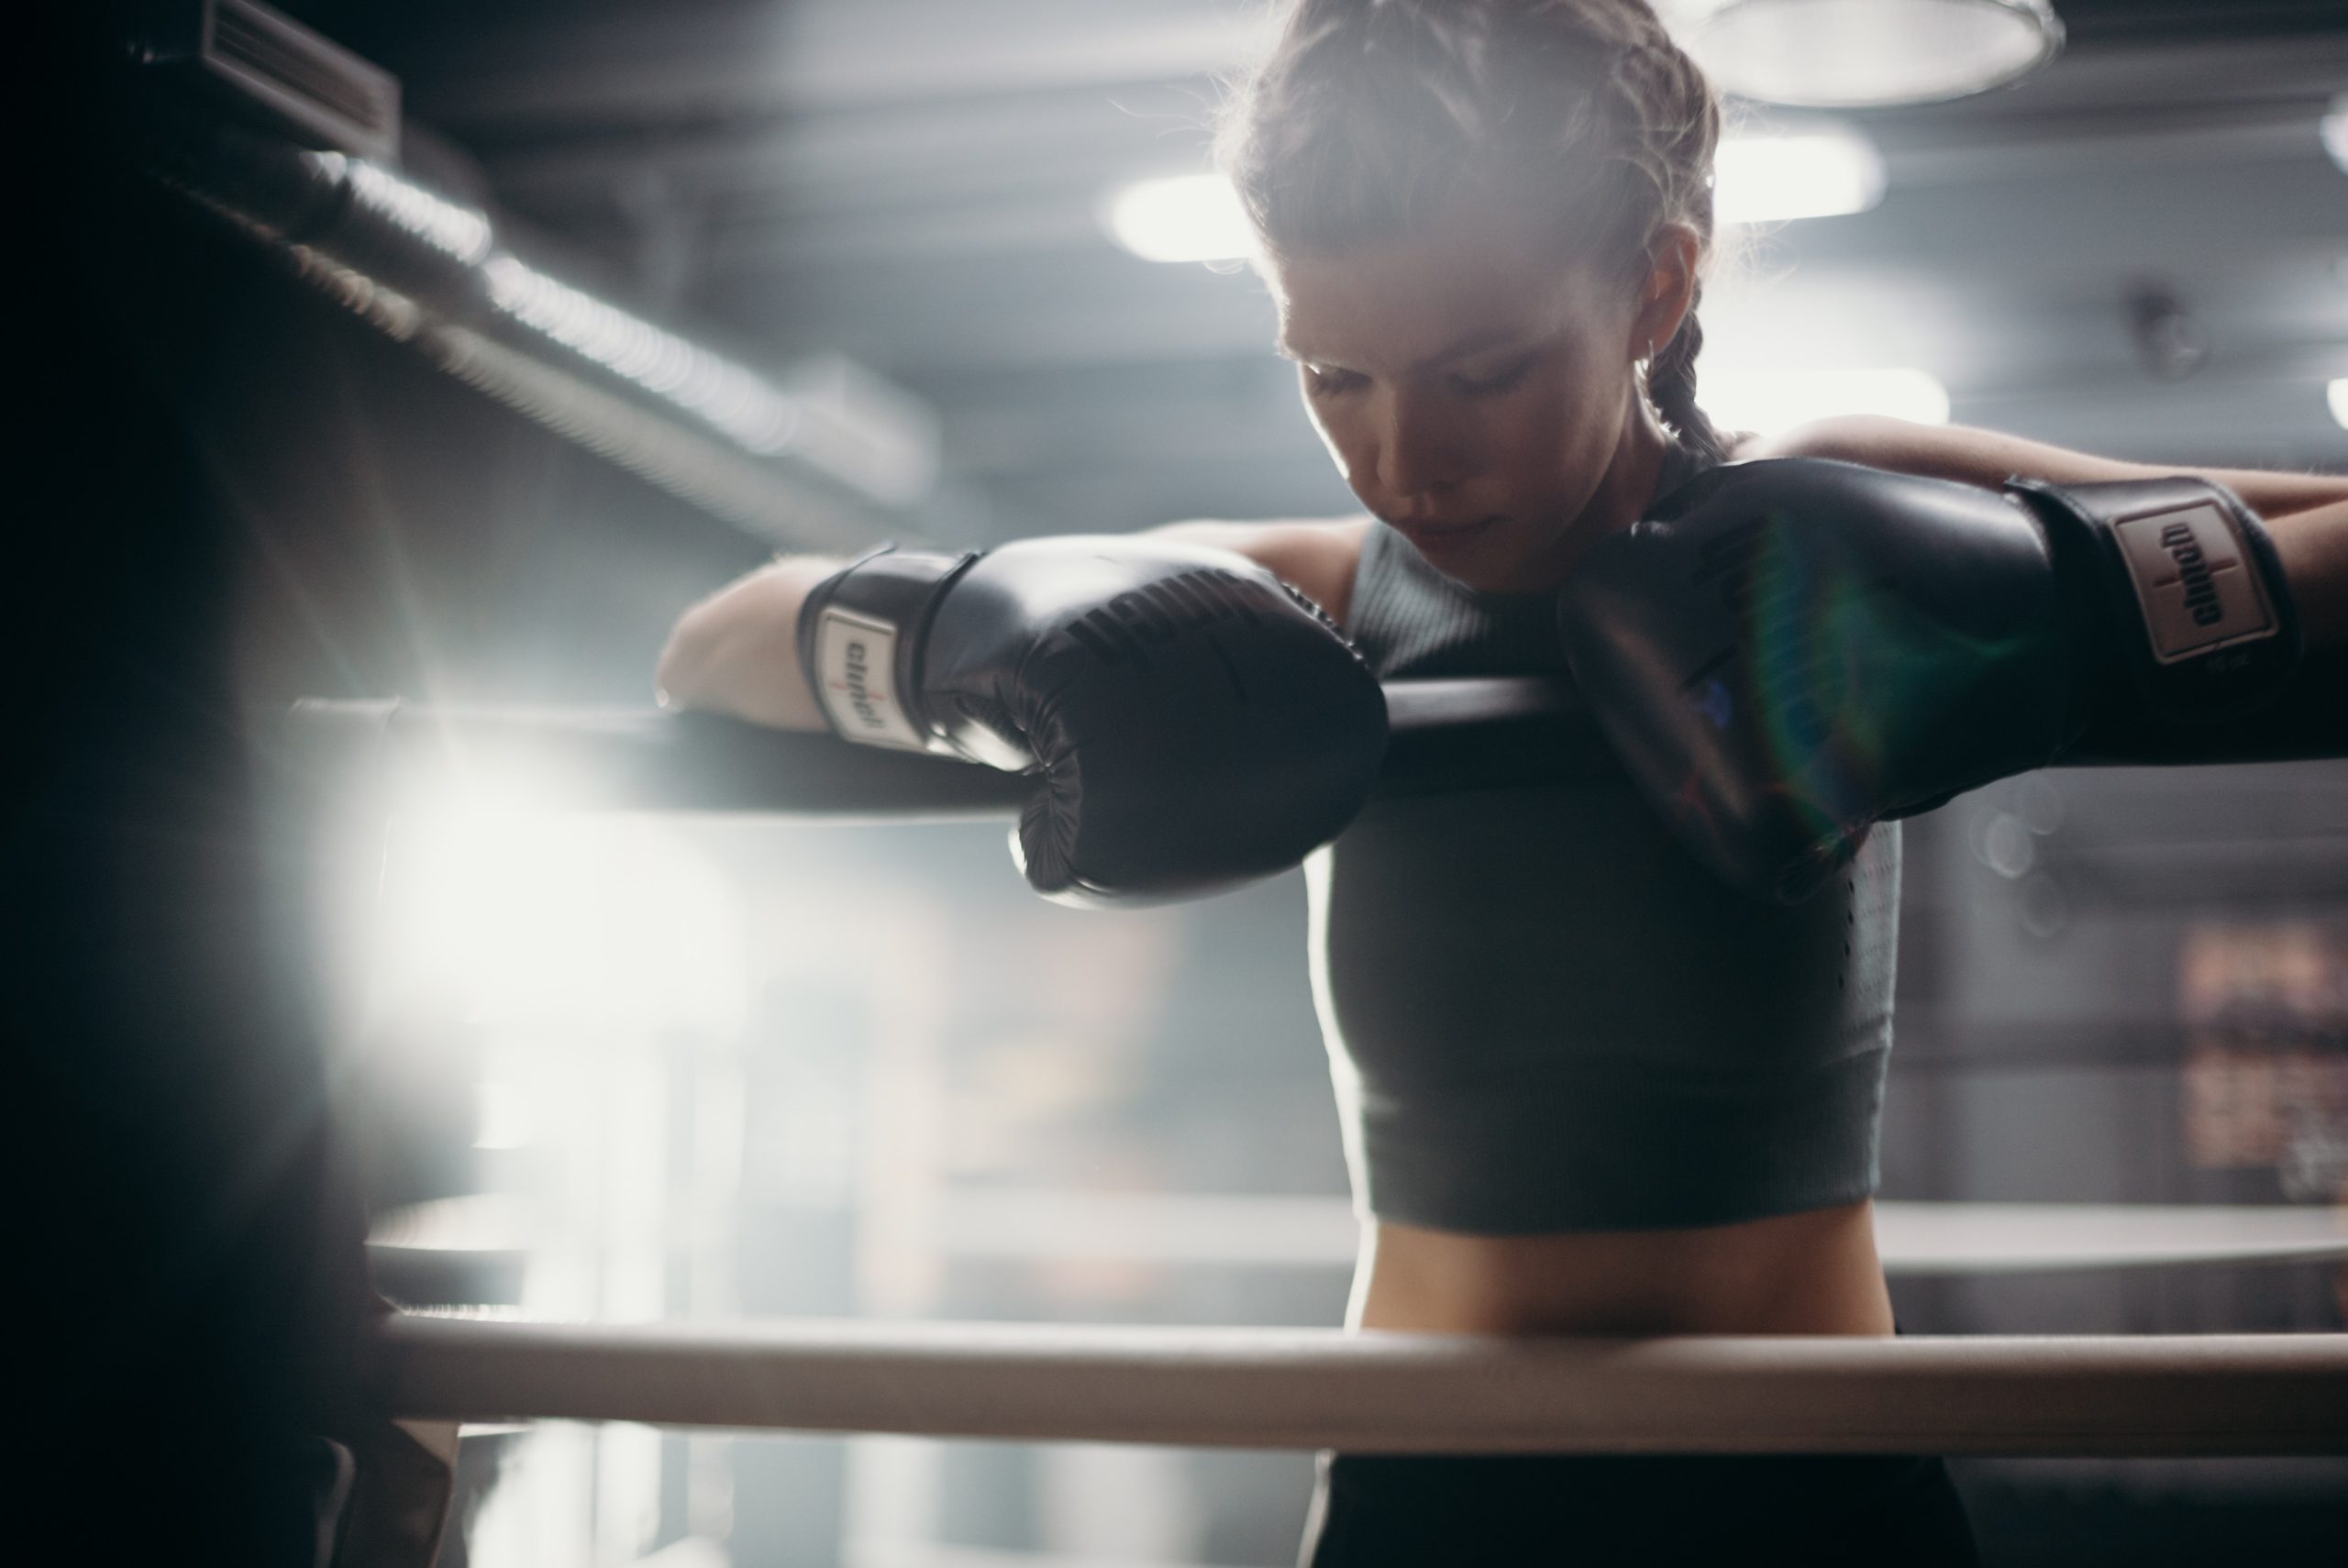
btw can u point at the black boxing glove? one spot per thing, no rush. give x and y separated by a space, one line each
1785 652
1193 721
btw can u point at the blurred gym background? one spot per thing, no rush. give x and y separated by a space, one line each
883 262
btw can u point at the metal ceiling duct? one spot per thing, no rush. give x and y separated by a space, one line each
266 69
829 459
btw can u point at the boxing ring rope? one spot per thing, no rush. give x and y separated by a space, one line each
1913 1240
1310 1389
1442 735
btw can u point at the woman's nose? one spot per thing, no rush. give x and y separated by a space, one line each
1420 452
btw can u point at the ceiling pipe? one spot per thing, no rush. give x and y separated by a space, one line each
827 467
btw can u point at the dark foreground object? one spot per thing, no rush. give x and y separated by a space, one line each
1535 1511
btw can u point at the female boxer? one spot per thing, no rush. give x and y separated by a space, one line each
1589 1089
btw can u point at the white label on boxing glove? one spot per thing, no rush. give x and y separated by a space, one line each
855 675
2195 587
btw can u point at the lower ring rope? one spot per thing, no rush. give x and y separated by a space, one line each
1308 1388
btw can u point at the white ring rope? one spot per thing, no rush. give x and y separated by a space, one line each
1911 1239
1306 1388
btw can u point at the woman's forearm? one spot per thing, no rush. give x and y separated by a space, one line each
1989 457
2275 495
2314 547
2307 513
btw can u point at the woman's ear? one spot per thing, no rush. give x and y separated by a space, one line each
1667 290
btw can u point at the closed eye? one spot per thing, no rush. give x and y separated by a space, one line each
1326 381
1494 382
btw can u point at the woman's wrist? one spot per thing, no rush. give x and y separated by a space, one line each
737 652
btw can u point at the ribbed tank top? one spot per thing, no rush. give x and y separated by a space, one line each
1542 1015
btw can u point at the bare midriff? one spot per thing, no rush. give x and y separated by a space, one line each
1813 1273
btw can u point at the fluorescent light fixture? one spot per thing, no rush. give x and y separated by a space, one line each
1774 179
1848 54
1181 217
2335 132
458 232
735 401
2337 395
1760 179
1768 402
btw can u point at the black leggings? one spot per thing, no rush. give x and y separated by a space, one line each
1532 1512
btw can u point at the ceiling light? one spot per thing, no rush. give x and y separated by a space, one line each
1183 218
2335 132
1768 402
1760 179
1868 53
1772 179
2337 394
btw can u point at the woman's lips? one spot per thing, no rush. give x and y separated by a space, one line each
1433 539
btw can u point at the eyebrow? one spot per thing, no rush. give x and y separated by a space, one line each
1474 342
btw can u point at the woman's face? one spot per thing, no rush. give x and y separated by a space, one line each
1472 387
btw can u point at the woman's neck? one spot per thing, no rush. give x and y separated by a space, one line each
1631 479
1621 496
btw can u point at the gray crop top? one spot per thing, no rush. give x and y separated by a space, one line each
1542 1015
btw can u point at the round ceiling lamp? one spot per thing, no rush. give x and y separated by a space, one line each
1857 54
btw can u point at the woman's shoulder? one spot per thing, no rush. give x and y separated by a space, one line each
1316 555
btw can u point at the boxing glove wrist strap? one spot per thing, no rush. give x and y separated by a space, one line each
861 634
2192 591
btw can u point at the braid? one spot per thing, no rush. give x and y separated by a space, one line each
1671 387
